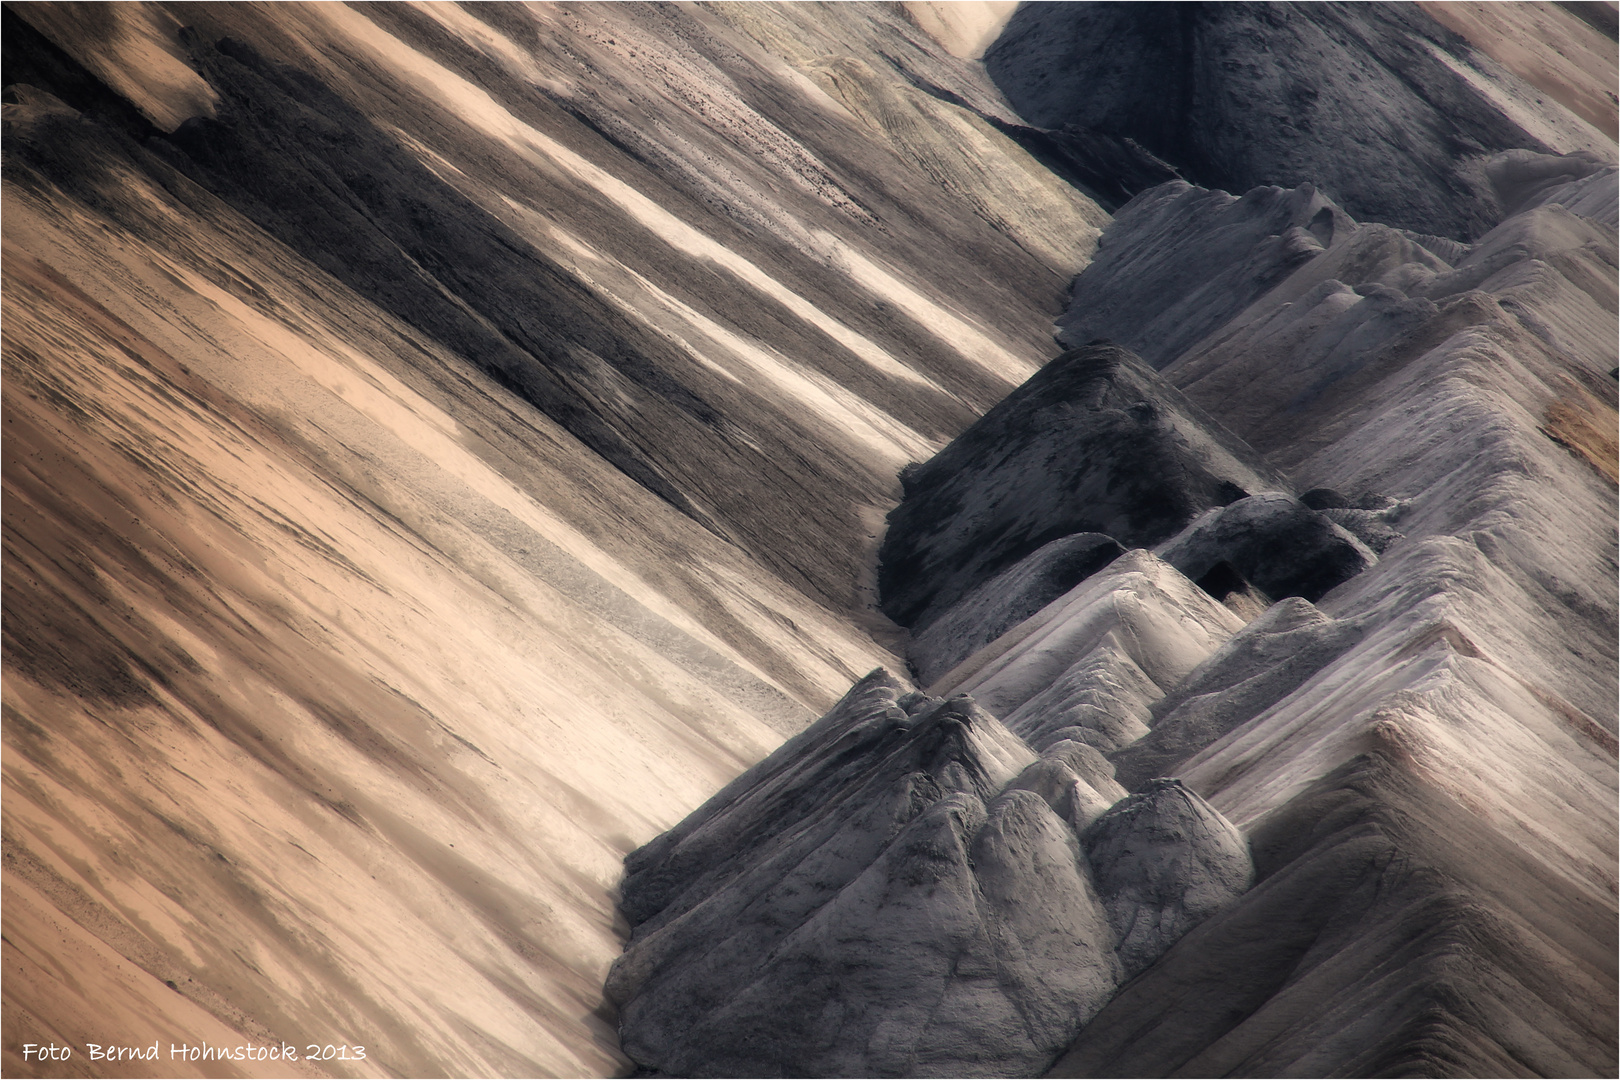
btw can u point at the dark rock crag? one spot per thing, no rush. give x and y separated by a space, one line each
901 891
1376 103
1275 542
1093 442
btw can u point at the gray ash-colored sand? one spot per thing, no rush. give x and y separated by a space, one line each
1389 933
1179 261
447 443
1453 701
1377 104
1275 542
1262 664
1076 781
1165 860
1430 396
1090 665
450 441
1007 600
905 890
1093 442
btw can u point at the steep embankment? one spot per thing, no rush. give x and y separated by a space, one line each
446 444
1416 741
443 446
1483 688
1380 106
1446 777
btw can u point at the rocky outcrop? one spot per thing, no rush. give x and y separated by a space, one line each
871 737
1165 861
1582 183
1094 442
890 895
1007 600
1379 361
1370 518
1377 104
1275 542
1076 781
1259 666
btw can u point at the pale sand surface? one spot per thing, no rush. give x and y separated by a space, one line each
965 27
1547 47
339 680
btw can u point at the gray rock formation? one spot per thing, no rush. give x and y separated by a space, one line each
889 895
1275 542
1262 664
1583 183
1372 527
815 914
973 945
1332 365
1328 499
1165 860
867 739
1103 700
1007 600
1377 104
1370 518
1094 442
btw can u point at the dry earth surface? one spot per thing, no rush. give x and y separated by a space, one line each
446 444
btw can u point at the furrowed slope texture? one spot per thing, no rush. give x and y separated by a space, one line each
1378 105
1425 760
442 447
1419 743
1565 50
1422 760
1095 442
1091 664
906 889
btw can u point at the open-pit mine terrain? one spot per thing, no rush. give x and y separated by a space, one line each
783 539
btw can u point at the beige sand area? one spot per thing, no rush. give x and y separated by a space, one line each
1545 46
338 679
965 27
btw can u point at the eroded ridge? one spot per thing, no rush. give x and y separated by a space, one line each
907 889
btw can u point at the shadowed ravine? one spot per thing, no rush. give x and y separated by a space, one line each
453 453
